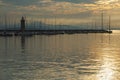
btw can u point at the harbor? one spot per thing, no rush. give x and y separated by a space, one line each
59 39
29 32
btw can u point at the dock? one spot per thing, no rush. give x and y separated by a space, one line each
22 31
48 32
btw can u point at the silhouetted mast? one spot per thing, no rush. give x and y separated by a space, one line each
102 20
54 23
14 23
109 22
0 21
9 22
5 23
33 24
95 25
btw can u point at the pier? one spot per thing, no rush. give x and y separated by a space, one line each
49 32
29 32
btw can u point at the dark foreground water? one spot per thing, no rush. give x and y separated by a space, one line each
61 57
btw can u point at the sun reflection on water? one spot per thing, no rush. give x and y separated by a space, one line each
106 71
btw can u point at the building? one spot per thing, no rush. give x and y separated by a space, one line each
22 24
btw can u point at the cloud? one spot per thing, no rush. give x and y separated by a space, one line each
103 2
67 9
64 6
45 1
77 1
2 3
19 2
60 7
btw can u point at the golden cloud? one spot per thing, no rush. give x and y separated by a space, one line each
72 8
104 2
67 8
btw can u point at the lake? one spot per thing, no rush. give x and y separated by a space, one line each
61 57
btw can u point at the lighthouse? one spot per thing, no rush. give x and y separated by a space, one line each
22 24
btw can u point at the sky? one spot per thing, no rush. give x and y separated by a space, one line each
71 12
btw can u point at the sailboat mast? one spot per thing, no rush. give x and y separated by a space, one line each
95 25
5 23
102 20
55 23
0 21
109 22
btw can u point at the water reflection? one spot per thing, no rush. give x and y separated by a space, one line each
106 72
3 72
109 62
23 43
60 57
107 68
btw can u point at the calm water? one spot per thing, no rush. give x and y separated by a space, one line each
61 57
